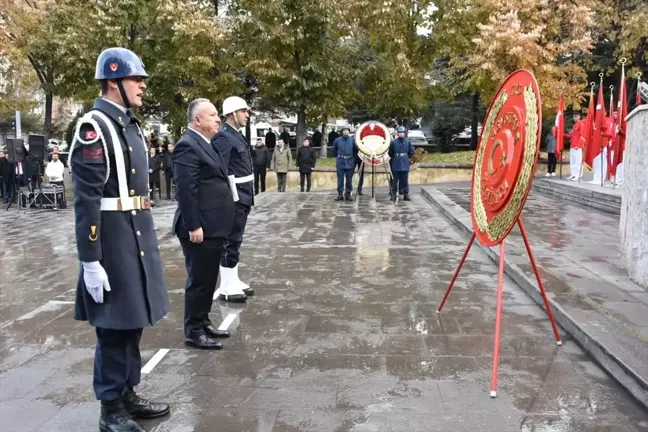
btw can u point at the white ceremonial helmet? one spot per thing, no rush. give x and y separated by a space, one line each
234 103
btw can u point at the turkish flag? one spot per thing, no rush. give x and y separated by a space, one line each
588 129
560 127
595 137
622 110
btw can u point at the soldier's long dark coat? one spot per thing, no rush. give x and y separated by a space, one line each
236 153
126 246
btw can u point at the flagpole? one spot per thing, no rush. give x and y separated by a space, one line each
561 132
601 150
584 152
608 147
622 90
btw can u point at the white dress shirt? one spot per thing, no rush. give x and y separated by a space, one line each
54 171
203 136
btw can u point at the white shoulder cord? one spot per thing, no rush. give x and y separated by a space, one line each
87 118
119 156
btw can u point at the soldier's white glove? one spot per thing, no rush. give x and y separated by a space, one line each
96 280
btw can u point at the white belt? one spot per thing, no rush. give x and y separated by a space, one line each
245 179
131 203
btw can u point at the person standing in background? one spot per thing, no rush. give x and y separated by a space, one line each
306 159
281 159
285 136
401 151
167 167
550 142
576 145
155 165
260 163
270 140
344 151
6 177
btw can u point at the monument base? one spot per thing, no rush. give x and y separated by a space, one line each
633 227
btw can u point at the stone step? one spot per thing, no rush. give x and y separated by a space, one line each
620 352
603 200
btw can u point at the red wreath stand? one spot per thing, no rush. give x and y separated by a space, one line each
507 149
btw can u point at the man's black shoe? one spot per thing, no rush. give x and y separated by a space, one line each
214 332
138 407
116 419
406 197
202 341
347 197
339 197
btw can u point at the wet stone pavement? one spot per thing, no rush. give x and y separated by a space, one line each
578 246
343 333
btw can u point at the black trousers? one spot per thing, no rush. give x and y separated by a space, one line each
400 182
230 256
551 164
202 275
307 177
281 182
155 184
169 181
342 175
259 176
117 362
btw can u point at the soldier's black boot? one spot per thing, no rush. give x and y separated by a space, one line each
139 407
339 197
406 197
114 418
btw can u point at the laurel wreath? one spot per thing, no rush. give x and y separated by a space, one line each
502 222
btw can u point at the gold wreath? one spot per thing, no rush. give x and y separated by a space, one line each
503 221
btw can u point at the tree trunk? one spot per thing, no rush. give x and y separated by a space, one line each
324 143
301 126
48 114
474 136
248 132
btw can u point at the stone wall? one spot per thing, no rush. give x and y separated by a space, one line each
633 227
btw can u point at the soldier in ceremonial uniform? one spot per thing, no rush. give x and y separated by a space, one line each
121 287
576 145
400 152
344 152
236 153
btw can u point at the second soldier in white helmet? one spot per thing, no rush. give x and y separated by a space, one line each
235 151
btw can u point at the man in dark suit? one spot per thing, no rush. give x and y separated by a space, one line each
155 165
203 219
